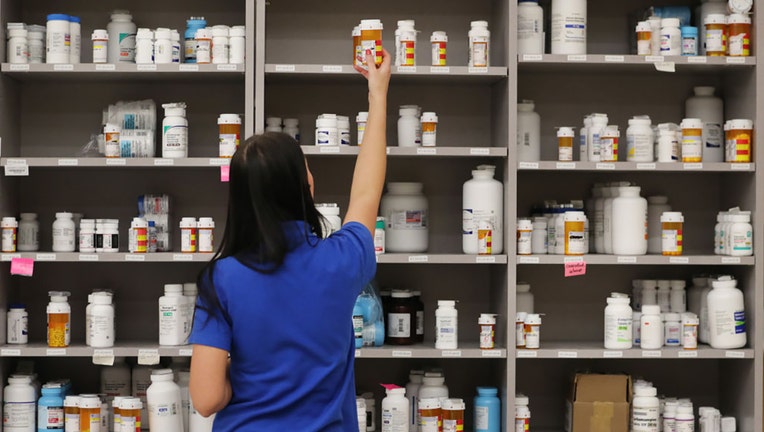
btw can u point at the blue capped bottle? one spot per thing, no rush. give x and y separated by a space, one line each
487 410
50 409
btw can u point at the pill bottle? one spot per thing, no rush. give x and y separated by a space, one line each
371 38
618 322
651 334
639 138
237 45
530 27
273 124
164 402
361 120
636 328
539 236
739 140
689 41
58 41
87 237
685 419
439 41
379 236
453 415
671 37
524 237
739 44
528 132
405 43
646 409
575 232
111 134
188 235
220 47
429 129
479 45
569 26
343 130
487 410
18 320
130 414
583 151
446 325
395 410
122 33
667 143
18 46
292 128
75 40
175 131
193 24
740 235
482 213
59 319
629 222
609 144
9 227
36 43
176 47
664 295
50 408
401 319
229 130
139 236
644 38
672 329
203 46
520 329
672 235
111 236
144 46
716 35
357 50
565 137
533 331
405 209
360 406
63 233
171 316
487 327
690 324
430 415
692 140
163 46
19 399
72 413
327 130
656 206
522 414
409 126
206 227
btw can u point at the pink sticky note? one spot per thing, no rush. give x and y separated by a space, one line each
22 266
225 173
577 268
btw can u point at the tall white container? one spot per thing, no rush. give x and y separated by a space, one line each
174 131
530 27
395 411
646 410
726 315
710 109
101 328
122 31
656 206
528 132
569 26
409 126
405 209
482 199
171 316
19 405
629 222
618 322
184 377
163 397
446 325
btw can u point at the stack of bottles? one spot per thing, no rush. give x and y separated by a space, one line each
129 130
653 413
527 322
733 233
566 227
58 42
415 128
331 129
289 126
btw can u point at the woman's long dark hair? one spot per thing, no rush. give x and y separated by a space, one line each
268 187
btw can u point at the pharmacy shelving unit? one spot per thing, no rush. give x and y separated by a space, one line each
610 80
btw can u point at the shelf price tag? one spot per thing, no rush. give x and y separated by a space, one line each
188 68
480 151
567 354
734 354
68 162
105 67
19 68
533 57
55 352
478 70
735 60
63 67
284 68
740 167
451 354
614 59
612 354
687 354
227 67
9 257
185 352
693 166
147 67
401 354
116 162
653 59
731 260
652 354
485 260
529 260
523 353
88 257
419 258
183 257
679 260
439 70
577 58
8 352
529 165
646 166
494 353
148 357
103 357
46 257
606 166
16 162
22 267
332 68
627 260
406 69
164 162
566 165
219 161
16 171
329 149
358 353
131 257
427 151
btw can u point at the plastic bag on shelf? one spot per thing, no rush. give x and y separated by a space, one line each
137 122
370 305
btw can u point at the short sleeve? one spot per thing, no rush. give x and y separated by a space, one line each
211 328
358 243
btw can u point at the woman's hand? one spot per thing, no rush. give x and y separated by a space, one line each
378 76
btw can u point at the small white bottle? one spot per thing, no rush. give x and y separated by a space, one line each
646 410
237 42
292 128
327 131
656 206
690 323
176 46
651 334
175 131
204 46
618 322
171 316
395 411
528 132
343 130
532 331
409 126
10 228
480 45
672 330
446 325
539 237
164 402
649 292
163 46
205 230
144 46
220 47
599 123
361 119
18 46
522 412
273 124
17 325
100 40
685 419
639 140
664 295
740 235
331 222
63 233
671 37
524 237
87 236
111 236
101 328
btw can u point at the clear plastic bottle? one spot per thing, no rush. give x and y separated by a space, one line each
672 329
528 132
618 321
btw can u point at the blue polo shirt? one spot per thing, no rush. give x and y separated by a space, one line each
291 335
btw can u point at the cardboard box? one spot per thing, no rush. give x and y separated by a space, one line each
599 403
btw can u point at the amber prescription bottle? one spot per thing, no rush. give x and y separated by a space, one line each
692 140
565 137
371 38
430 415
229 134
453 415
429 129
716 35
644 38
130 411
357 51
671 233
739 135
90 413
439 41
487 324
72 413
739 41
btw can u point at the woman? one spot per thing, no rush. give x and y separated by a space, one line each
277 298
